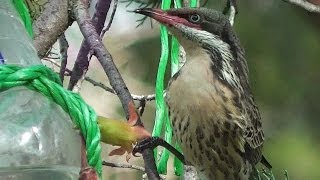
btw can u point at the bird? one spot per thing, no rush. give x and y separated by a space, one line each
211 105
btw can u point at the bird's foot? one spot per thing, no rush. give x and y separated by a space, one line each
153 142
146 143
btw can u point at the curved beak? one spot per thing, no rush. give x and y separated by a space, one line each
149 11
158 14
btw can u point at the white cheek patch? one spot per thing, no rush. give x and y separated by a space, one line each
206 38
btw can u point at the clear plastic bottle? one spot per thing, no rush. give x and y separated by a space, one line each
37 139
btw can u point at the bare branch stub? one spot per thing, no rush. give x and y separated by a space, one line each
305 5
93 39
141 106
64 45
86 172
231 7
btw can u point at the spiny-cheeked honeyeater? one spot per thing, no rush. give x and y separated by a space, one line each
211 106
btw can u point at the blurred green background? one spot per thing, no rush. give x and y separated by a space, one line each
282 46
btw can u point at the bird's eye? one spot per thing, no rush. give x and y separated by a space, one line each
195 18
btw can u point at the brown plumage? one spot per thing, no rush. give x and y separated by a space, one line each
211 106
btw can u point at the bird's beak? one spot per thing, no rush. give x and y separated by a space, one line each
157 14
163 17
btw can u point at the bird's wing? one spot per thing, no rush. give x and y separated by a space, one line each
253 132
251 126
251 116
249 121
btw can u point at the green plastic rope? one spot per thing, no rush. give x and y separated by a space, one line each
162 118
175 50
161 110
23 11
193 3
42 79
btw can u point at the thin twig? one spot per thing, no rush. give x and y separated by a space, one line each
93 39
51 57
305 5
126 166
115 5
149 97
204 3
144 4
99 84
52 53
233 8
53 62
64 45
232 14
119 165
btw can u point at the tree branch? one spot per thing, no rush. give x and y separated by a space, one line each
82 62
50 24
93 39
305 5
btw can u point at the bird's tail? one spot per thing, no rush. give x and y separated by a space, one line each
265 162
255 175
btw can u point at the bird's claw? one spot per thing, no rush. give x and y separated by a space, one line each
153 142
147 143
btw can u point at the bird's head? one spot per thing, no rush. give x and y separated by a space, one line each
206 27
210 30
